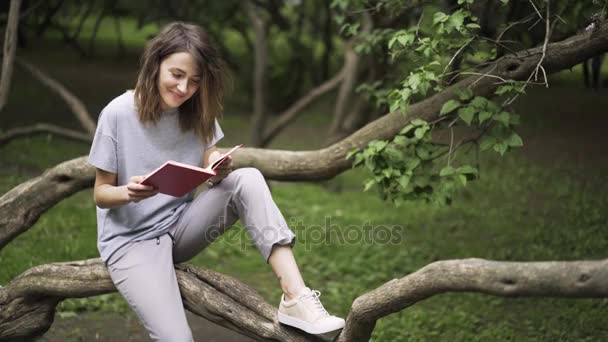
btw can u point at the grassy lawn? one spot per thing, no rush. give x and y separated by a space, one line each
545 201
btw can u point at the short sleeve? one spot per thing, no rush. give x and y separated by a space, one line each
219 134
103 149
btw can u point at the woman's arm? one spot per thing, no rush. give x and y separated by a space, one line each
108 195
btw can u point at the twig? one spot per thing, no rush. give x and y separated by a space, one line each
457 52
536 9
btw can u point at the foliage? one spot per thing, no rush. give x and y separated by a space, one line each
413 165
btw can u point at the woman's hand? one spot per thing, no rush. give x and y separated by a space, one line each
222 170
137 192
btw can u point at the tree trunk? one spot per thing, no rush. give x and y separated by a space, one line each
351 63
258 120
10 46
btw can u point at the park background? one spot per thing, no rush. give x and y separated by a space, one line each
544 201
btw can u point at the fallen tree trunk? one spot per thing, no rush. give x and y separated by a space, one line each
28 303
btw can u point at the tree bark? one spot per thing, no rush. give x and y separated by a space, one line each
73 102
10 46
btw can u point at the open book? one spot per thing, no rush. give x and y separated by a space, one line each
177 179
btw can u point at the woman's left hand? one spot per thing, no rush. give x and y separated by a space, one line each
222 170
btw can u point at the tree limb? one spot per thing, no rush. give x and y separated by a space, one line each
10 46
564 279
292 112
41 128
73 102
27 304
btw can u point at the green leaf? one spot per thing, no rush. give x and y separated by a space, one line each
473 26
449 106
466 114
501 148
479 102
352 153
407 128
418 122
515 140
439 17
503 117
412 163
401 140
421 131
457 19
487 143
393 153
466 169
422 151
504 89
414 81
447 171
368 184
404 181
484 115
462 179
464 93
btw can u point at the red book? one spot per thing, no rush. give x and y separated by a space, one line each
177 179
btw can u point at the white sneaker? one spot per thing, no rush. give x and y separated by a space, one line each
307 313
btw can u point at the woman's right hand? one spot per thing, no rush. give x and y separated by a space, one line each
137 192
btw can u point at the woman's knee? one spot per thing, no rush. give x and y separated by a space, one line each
248 176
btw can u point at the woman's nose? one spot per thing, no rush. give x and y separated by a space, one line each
182 86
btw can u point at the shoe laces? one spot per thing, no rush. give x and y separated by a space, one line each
313 299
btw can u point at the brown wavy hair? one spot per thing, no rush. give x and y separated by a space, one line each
200 111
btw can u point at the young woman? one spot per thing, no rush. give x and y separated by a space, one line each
172 115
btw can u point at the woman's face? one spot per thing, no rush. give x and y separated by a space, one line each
178 79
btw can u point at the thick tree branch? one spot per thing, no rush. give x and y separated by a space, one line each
10 46
77 107
27 304
564 279
21 207
42 128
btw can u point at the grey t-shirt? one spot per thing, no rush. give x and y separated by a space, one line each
122 145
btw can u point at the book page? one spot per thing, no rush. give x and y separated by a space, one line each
222 158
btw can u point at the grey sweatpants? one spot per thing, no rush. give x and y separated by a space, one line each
145 276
